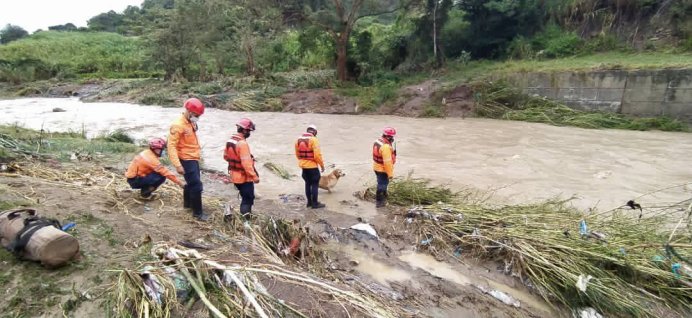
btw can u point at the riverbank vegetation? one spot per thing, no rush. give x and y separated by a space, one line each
367 50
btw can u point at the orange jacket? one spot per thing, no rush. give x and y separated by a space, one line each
241 163
182 141
308 152
383 157
147 162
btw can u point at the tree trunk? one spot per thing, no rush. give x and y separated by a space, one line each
342 56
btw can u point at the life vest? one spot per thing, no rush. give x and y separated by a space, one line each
305 152
377 156
232 156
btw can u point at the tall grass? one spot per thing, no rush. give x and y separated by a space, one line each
50 54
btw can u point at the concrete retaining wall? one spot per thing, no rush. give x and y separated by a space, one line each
639 93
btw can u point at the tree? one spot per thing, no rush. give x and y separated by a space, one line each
494 23
63 27
339 17
11 33
108 22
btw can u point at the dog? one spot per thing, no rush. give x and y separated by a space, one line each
328 181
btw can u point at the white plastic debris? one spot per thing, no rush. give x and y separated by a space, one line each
583 281
588 312
365 227
501 296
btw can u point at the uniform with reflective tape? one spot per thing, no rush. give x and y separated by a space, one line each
308 152
384 157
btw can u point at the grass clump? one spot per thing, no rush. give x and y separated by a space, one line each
550 246
278 170
501 101
116 136
413 191
16 140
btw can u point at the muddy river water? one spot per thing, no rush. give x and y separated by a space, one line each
521 162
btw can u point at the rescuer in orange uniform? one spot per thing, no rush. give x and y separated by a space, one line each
309 158
184 153
384 158
146 171
241 165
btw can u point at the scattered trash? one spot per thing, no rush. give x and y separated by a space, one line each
68 226
587 313
622 251
426 241
365 227
658 258
151 285
600 236
583 229
675 268
583 281
293 247
501 296
457 251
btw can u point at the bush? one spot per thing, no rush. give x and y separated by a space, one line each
554 42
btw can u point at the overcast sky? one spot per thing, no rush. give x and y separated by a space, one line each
32 15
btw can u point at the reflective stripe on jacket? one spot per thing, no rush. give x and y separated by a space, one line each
308 152
147 162
383 157
182 141
241 163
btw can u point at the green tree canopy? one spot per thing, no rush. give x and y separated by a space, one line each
11 33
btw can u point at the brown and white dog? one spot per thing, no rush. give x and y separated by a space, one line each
329 180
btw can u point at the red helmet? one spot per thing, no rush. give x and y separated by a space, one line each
195 106
157 143
389 131
246 123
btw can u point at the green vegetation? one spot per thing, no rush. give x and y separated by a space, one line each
632 259
413 191
63 55
15 141
499 100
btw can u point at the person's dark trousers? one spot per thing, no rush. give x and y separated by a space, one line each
192 193
247 197
312 184
147 184
382 184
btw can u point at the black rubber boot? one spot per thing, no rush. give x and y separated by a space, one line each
379 199
146 191
245 210
196 205
186 198
318 205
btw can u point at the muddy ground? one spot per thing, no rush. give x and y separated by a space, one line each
113 229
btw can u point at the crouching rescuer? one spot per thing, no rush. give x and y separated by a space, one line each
241 165
384 158
146 171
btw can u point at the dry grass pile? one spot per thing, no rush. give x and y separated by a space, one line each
626 265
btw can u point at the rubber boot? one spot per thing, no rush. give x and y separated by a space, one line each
146 191
318 205
196 204
186 198
379 199
245 210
